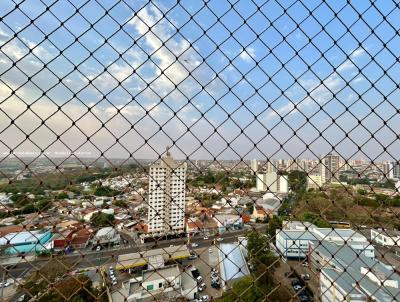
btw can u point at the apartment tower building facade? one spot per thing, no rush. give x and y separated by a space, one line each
167 194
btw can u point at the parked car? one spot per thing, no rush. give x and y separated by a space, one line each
194 244
220 239
304 296
205 238
205 298
202 287
210 250
215 285
98 248
305 264
199 279
305 276
5 284
21 298
192 257
296 282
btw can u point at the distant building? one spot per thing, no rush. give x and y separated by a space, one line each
346 274
329 168
391 169
166 200
254 166
314 182
272 182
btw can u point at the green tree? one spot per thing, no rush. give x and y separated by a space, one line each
297 181
274 224
102 219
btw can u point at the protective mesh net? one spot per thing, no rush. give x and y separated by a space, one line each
199 150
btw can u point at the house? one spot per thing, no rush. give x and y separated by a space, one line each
228 222
260 213
193 226
107 235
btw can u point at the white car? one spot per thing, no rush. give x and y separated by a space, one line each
194 244
210 250
98 249
205 238
297 287
220 239
20 299
204 298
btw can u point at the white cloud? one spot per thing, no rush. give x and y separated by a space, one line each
357 53
248 54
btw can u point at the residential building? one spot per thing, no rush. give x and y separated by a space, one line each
260 213
107 235
166 200
314 181
348 275
272 182
388 170
228 222
386 237
329 168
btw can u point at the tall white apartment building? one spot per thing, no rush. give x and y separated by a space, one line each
166 201
272 182
329 169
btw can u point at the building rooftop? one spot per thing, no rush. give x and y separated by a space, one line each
347 268
140 259
297 235
390 233
233 265
165 273
23 237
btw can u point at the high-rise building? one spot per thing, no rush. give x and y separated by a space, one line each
254 166
388 170
272 182
272 166
329 168
166 201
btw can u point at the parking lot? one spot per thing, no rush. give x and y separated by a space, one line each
204 263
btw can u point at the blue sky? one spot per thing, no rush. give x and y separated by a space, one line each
213 69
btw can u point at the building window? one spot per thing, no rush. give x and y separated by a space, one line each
159 285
